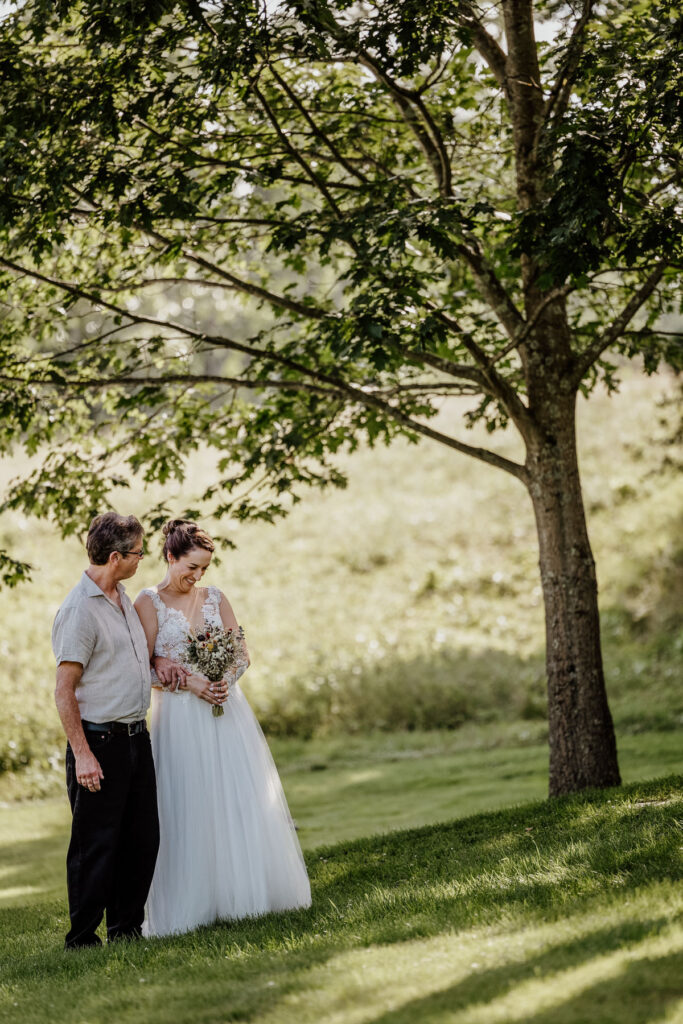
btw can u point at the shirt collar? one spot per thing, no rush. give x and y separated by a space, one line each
92 590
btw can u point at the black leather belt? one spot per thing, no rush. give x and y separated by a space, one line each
129 728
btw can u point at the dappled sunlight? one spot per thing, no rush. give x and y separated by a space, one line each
476 976
425 925
552 991
368 775
25 884
32 857
596 814
8 894
499 888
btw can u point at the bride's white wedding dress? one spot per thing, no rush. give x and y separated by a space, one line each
228 845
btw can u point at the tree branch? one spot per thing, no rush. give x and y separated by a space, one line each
586 359
335 385
491 289
482 454
137 318
528 325
310 312
435 149
295 154
494 383
430 139
341 390
348 186
317 131
490 380
486 45
203 160
189 379
526 110
306 310
442 388
445 365
195 12
462 370
408 101
100 339
557 101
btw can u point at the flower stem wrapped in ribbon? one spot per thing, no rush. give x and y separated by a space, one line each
213 651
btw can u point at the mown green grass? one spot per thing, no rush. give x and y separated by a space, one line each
562 911
343 788
411 600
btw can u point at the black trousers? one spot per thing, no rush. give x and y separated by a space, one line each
114 839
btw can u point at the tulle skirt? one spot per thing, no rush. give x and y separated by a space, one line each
228 845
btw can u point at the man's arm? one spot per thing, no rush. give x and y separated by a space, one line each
88 771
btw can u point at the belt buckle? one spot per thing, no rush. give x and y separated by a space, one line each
132 728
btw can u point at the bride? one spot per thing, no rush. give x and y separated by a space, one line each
228 846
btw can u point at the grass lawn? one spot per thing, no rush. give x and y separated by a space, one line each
557 912
537 912
348 788
344 787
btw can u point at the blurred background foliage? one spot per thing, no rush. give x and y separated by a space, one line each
403 602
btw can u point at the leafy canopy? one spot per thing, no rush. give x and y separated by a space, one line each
279 229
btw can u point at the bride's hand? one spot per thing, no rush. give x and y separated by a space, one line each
169 673
212 693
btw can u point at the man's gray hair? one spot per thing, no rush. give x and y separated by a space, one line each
111 532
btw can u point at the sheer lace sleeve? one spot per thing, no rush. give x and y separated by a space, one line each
213 604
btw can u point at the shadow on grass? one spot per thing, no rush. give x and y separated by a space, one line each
641 993
32 869
502 856
520 866
649 986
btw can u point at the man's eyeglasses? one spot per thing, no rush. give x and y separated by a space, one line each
140 553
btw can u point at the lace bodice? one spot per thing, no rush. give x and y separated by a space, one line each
173 629
171 640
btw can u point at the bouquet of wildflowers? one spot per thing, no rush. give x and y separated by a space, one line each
214 651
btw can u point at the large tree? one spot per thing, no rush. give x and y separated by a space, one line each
414 200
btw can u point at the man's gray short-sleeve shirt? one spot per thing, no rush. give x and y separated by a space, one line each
90 629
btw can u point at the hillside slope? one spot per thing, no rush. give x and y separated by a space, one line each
411 600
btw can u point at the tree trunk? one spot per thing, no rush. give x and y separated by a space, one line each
582 743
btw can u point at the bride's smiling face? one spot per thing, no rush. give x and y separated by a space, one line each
188 569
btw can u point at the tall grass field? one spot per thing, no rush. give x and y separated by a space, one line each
410 600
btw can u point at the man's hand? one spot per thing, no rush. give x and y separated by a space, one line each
169 673
88 771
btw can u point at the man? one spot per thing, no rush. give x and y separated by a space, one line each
102 695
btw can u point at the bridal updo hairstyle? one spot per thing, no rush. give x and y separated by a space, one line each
181 535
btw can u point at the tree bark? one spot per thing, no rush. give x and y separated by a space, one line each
582 745
583 749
